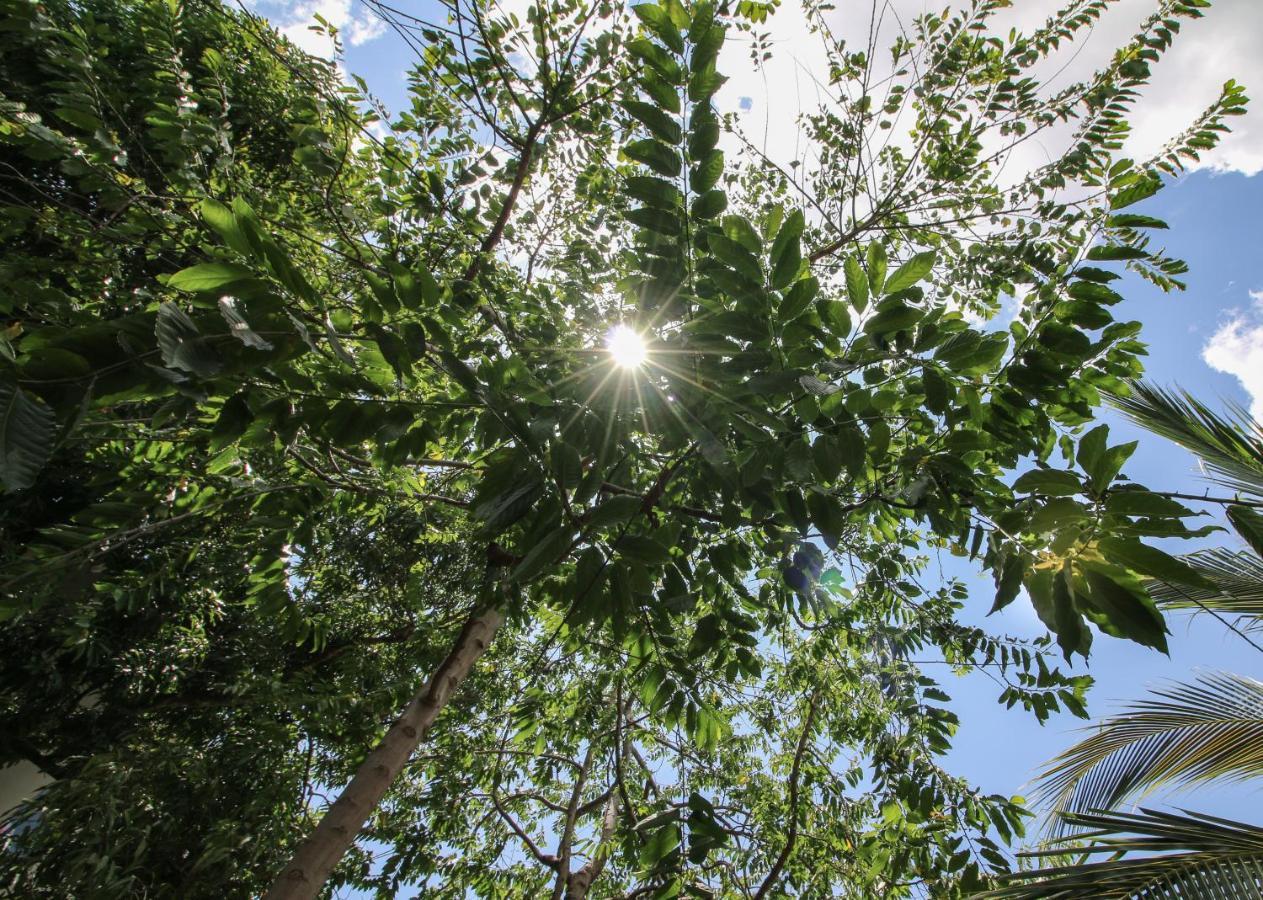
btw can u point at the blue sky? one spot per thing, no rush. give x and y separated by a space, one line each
1216 219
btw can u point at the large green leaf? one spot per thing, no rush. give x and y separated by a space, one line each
209 276
656 155
910 272
27 430
182 345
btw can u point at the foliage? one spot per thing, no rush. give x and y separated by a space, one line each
1187 734
1218 859
1231 446
318 394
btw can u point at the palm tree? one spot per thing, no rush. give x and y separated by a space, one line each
1187 734
1194 856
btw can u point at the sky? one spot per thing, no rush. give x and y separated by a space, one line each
1208 339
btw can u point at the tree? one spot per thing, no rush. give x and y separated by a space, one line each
411 330
1188 734
146 664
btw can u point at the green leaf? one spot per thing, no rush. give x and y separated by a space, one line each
706 47
643 549
1116 253
910 272
893 318
208 276
798 461
28 428
1146 186
1055 514
856 283
1144 503
876 268
659 123
657 220
736 256
393 350
459 370
654 191
852 446
221 218
1064 340
384 291
703 133
505 495
704 83
1091 449
709 204
234 418
787 237
182 345
1093 292
1249 524
828 457
827 516
566 463
1049 482
1119 610
1008 580
1102 464
1131 220
705 175
662 63
1091 273
1053 601
542 554
656 20
615 510
661 844
663 93
1151 561
656 155
798 299
937 391
706 636
835 315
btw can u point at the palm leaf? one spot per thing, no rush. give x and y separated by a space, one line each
1186 734
1194 855
1238 577
1231 447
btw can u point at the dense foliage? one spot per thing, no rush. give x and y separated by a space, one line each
296 410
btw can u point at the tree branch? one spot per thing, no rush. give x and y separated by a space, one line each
791 838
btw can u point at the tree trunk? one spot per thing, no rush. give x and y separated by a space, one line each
309 869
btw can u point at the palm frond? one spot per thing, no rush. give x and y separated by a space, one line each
1230 446
1184 734
1194 856
1238 577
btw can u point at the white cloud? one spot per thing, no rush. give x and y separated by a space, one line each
1237 349
355 23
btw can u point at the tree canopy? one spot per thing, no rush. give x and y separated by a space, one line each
313 451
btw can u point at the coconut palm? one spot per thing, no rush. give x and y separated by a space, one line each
1194 856
1187 734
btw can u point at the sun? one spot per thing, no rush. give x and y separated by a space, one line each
626 347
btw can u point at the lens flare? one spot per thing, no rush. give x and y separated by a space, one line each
626 347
